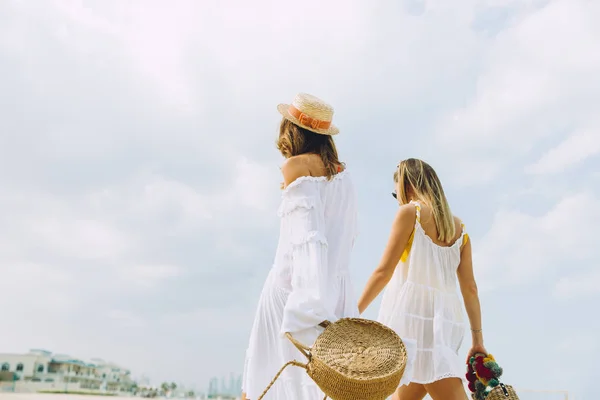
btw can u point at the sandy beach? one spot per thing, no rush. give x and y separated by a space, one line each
62 396
57 396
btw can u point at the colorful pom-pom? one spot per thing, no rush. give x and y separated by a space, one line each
480 386
496 370
477 364
488 358
483 375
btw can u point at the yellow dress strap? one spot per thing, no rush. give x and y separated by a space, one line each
465 235
404 256
418 210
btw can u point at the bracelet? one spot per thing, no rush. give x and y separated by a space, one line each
476 330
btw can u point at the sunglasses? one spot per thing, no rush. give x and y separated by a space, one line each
394 194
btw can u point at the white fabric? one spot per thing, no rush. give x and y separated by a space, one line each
411 353
308 283
422 304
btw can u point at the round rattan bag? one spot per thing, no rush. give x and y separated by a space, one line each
353 359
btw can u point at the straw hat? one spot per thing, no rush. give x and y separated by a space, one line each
353 359
310 113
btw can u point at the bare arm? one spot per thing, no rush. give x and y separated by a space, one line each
402 228
468 288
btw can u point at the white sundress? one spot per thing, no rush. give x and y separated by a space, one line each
422 304
308 283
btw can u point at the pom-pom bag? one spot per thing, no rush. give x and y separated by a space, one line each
483 374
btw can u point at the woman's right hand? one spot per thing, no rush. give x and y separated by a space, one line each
476 349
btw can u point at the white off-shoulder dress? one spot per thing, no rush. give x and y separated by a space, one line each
308 283
422 304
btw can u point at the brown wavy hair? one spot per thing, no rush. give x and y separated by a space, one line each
418 178
294 140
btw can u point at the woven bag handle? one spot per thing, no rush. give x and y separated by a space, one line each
296 363
303 349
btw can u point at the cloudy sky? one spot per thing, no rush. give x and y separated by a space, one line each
139 178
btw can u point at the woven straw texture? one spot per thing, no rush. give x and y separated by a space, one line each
354 359
504 392
312 107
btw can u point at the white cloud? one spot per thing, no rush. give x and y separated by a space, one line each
160 194
519 248
126 319
573 344
253 186
84 239
35 288
581 285
148 276
538 78
171 48
575 149
40 221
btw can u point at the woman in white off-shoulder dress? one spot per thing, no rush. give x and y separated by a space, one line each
309 281
427 257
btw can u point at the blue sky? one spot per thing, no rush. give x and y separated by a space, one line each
140 179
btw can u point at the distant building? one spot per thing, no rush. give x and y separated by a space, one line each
43 370
219 389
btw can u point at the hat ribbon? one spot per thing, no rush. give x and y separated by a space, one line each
307 120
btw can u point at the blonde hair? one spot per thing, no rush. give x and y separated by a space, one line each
419 179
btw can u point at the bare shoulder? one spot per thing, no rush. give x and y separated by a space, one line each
406 216
458 224
294 168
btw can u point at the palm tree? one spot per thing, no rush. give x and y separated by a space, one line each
165 388
173 386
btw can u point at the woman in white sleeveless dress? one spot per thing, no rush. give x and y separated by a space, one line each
428 253
309 281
